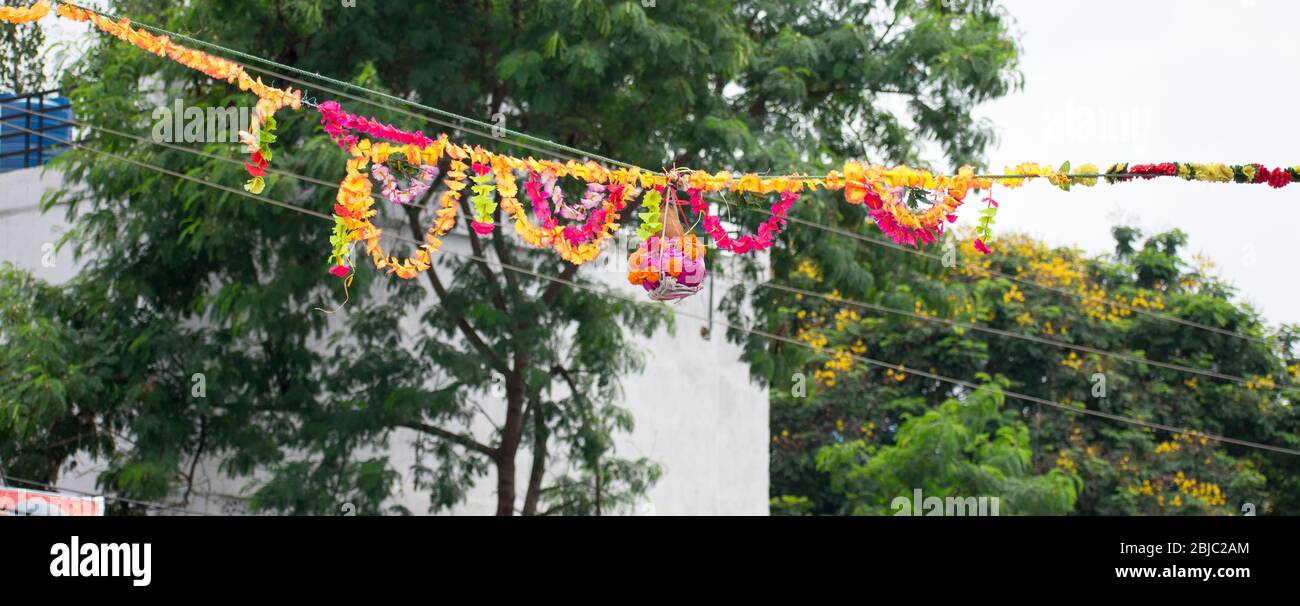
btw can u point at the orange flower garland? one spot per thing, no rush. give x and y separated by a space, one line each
884 191
270 99
34 12
354 210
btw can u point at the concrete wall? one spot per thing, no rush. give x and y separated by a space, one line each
696 412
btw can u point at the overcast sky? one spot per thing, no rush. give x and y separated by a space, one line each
1144 81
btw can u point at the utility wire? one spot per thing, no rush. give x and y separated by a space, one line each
1005 333
898 367
831 229
821 226
773 285
755 332
1017 279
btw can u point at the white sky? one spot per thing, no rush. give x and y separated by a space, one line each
1144 81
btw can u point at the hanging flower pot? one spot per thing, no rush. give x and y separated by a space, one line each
669 265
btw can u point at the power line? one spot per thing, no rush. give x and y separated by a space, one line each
897 367
617 162
763 334
838 300
1005 333
1017 279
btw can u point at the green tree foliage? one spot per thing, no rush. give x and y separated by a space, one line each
191 281
960 449
1124 469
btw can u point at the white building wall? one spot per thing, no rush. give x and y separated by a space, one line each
696 412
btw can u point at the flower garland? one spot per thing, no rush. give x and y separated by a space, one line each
651 220
1122 172
984 229
747 243
35 12
353 210
339 124
889 193
420 179
260 133
576 245
885 192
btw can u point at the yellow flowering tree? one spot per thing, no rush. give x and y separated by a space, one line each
1112 303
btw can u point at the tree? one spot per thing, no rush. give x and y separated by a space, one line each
206 288
1124 470
961 450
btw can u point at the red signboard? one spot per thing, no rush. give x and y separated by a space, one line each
23 502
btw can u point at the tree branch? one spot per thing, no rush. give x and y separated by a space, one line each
463 440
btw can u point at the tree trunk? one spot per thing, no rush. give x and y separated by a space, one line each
511 433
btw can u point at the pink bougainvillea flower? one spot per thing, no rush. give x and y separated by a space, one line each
483 229
340 270
982 247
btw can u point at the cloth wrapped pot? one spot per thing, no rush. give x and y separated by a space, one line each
668 268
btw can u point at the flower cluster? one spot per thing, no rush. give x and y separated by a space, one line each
651 218
984 229
679 259
594 211
35 12
483 199
542 190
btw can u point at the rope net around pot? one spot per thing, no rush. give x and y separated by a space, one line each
669 265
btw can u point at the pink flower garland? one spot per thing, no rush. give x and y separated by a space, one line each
578 236
888 223
542 190
539 192
767 231
392 192
338 123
